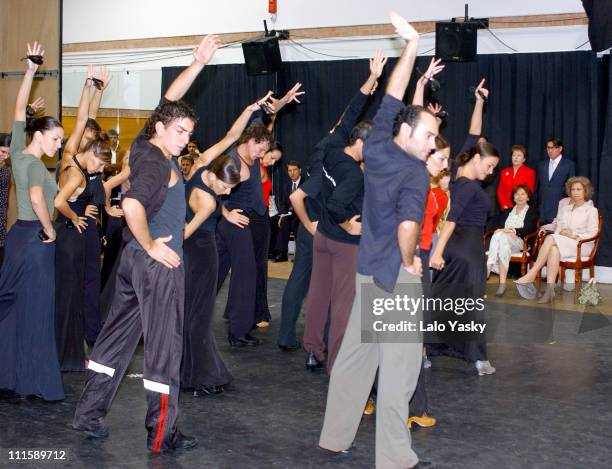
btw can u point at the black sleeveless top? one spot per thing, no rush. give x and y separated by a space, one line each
248 195
89 195
196 182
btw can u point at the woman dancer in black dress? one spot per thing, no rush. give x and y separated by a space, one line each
459 255
77 252
202 368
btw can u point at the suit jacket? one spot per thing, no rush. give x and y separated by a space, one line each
529 224
284 205
508 181
550 192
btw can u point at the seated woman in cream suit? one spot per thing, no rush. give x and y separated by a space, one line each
575 221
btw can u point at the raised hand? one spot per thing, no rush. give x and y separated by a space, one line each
38 105
377 63
435 108
207 48
402 27
481 91
263 103
104 76
290 96
433 69
36 49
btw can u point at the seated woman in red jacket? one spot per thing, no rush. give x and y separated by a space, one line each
512 176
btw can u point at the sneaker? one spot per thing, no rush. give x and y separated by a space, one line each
426 363
370 407
484 367
423 421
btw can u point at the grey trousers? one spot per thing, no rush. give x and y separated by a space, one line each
351 380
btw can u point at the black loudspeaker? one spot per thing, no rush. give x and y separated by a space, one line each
456 41
262 56
600 23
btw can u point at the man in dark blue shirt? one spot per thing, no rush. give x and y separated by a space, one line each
396 185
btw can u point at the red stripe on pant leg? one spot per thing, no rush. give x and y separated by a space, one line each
161 423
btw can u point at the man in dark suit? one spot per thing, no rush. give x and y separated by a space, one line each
550 183
287 221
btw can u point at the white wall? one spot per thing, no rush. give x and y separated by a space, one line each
137 85
133 19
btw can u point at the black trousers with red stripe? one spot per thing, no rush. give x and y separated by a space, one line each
149 299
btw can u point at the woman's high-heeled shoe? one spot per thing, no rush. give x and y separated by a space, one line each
526 290
549 294
312 363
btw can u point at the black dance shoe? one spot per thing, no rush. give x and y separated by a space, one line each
312 363
208 391
93 434
177 441
281 258
290 348
247 340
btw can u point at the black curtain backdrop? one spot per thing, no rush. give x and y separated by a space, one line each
533 96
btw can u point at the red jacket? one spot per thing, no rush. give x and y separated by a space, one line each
436 204
508 181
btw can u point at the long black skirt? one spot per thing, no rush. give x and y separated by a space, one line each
464 275
28 356
77 292
202 365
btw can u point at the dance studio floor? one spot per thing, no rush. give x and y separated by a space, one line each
548 406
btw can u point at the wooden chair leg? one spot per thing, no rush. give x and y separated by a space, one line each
562 276
591 272
523 268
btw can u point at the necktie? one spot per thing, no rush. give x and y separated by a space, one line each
293 186
551 169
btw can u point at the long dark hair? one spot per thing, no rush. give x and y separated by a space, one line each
41 124
482 149
225 169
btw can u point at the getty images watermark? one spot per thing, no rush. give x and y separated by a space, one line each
452 314
423 313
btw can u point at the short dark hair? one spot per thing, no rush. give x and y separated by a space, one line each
294 163
525 187
555 141
225 168
167 112
187 158
257 132
410 115
5 140
360 131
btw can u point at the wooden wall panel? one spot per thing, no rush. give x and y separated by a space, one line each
24 21
128 127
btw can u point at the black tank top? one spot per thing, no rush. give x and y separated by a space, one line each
85 198
196 182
